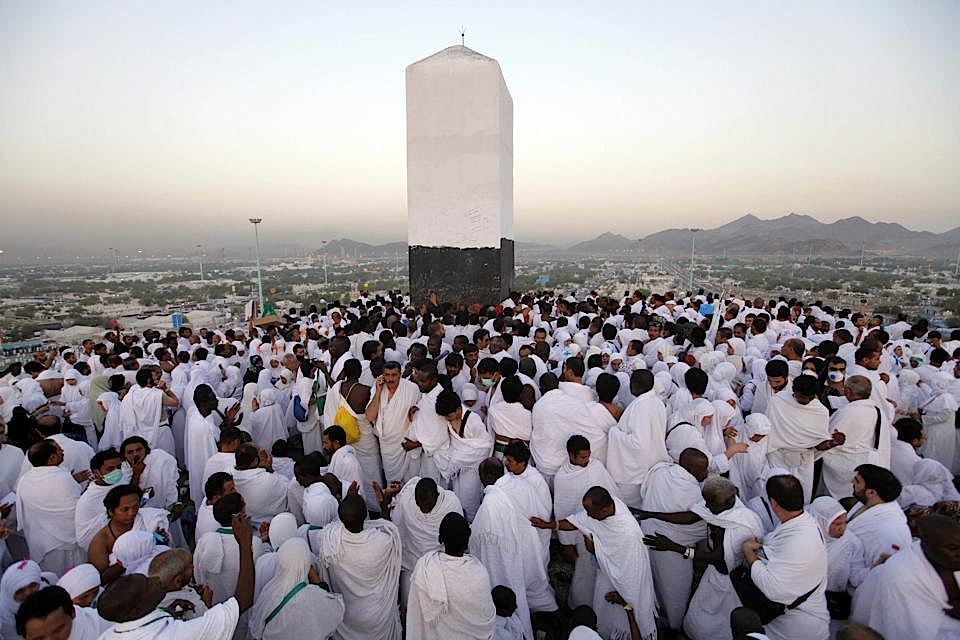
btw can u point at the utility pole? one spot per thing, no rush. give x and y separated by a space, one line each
256 223
200 247
693 253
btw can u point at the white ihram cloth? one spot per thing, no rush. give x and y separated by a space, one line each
556 417
939 414
345 465
569 486
141 414
135 550
87 624
747 469
91 515
216 562
845 566
430 430
637 443
310 608
16 577
200 444
510 420
76 455
366 449
880 528
671 489
709 612
796 430
160 472
264 493
796 562
311 429
931 483
112 431
857 421
508 546
531 491
283 526
391 428
449 598
459 462
905 598
266 423
46 503
625 567
219 623
365 568
419 531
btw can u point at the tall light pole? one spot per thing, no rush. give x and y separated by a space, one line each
200 248
255 222
693 252
323 243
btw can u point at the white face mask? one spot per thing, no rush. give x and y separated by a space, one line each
835 376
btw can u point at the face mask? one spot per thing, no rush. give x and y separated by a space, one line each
835 376
113 477
487 382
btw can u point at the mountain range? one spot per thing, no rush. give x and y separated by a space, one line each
793 234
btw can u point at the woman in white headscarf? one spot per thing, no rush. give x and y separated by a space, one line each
681 397
283 526
721 387
266 420
664 386
748 469
19 581
82 582
289 604
939 414
845 563
112 436
909 405
77 405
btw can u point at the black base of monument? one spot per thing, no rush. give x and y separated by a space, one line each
461 275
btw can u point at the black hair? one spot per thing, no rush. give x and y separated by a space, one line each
42 603
112 500
880 480
447 402
227 507
335 432
576 444
102 456
518 451
787 491
214 485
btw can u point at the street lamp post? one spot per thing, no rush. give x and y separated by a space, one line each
200 248
693 252
256 222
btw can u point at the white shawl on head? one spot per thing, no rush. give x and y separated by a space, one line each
309 608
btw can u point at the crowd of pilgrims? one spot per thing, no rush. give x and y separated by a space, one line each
704 467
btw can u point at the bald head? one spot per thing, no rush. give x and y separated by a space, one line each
130 597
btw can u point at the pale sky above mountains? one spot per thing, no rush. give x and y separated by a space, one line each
629 117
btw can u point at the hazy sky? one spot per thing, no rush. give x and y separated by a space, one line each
126 119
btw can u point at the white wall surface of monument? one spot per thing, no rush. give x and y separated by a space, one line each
459 151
